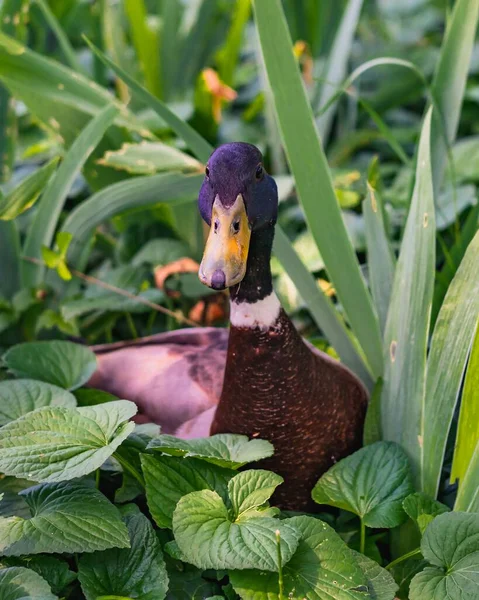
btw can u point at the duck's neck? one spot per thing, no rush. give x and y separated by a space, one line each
253 301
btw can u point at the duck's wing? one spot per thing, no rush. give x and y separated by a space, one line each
173 377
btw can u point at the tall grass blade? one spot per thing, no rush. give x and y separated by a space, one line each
407 326
197 144
320 307
227 56
313 179
337 65
50 206
121 196
146 43
468 495
451 341
26 193
114 42
171 13
10 259
381 261
450 81
467 436
59 97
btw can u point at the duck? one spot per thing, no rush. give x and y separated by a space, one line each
259 378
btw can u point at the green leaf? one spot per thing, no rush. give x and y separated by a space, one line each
380 582
11 503
169 478
227 57
10 263
450 344
423 509
26 193
224 449
160 252
57 443
55 572
66 517
371 483
53 199
402 402
61 363
468 495
322 568
20 397
451 545
210 540
313 178
147 158
198 145
186 582
372 422
18 583
381 261
116 198
321 307
137 572
449 82
251 489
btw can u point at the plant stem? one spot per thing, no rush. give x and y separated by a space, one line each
97 479
362 542
131 325
403 557
280 565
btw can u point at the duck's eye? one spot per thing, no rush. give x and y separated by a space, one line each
207 172
259 172
236 226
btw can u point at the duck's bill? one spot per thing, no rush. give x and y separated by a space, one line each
226 250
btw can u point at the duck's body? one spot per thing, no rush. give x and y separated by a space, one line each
275 386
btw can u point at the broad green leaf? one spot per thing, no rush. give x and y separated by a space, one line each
313 178
12 504
42 83
371 483
251 489
451 545
335 72
49 209
169 478
198 145
423 509
402 401
380 582
322 568
116 198
403 573
449 82
55 572
137 572
186 582
57 443
26 193
467 436
19 397
66 517
381 261
18 583
147 158
160 252
224 449
61 363
145 41
92 397
321 307
210 540
450 344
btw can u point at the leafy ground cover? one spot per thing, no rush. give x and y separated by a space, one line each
367 116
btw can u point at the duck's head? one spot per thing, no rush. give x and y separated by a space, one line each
237 200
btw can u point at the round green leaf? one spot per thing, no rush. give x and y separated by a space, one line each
380 582
65 364
451 544
224 449
372 483
251 489
57 443
322 568
210 540
137 572
423 509
55 572
19 397
18 583
66 517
